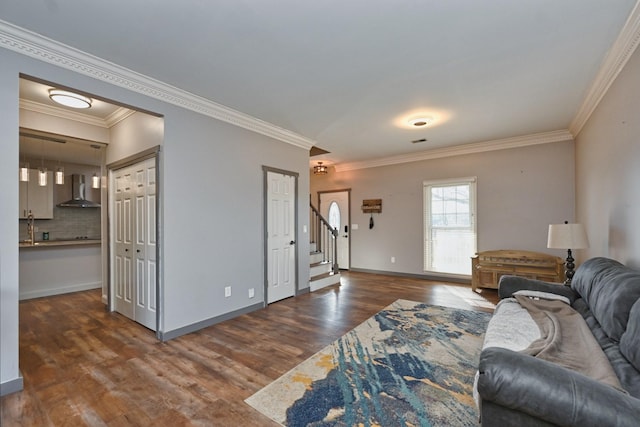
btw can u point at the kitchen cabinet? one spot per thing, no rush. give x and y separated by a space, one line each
37 199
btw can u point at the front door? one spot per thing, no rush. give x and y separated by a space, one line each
134 242
334 206
281 236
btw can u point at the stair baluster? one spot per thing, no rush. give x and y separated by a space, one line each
325 238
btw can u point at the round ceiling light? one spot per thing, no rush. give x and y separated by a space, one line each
421 121
69 99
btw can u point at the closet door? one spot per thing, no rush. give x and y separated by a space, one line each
145 243
134 241
122 243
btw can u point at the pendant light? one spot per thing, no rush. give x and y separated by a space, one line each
320 169
42 171
59 174
24 171
95 180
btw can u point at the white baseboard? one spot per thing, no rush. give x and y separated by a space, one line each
60 290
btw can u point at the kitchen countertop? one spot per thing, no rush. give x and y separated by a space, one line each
53 243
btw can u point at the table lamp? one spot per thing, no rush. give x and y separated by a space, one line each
567 236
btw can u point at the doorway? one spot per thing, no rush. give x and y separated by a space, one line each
335 207
133 242
280 221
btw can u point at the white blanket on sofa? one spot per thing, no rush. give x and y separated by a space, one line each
510 327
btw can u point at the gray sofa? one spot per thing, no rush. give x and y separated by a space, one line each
517 389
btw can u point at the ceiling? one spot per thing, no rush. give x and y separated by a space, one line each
348 74
34 96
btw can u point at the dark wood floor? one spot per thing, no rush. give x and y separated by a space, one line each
85 366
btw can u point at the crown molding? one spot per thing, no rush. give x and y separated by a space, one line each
117 116
45 49
37 107
477 147
614 62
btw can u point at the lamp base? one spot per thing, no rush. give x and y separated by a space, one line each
569 268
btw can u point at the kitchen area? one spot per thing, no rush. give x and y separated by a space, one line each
59 213
72 159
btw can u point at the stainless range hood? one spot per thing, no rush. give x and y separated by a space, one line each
78 195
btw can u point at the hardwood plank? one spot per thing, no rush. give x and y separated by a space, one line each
85 366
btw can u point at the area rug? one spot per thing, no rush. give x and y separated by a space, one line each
411 364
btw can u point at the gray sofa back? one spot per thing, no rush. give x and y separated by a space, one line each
610 290
610 304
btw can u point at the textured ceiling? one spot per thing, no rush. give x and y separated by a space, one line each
347 74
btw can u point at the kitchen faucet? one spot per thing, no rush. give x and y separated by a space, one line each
31 229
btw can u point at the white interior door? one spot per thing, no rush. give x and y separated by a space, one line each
281 236
122 258
334 206
134 242
145 243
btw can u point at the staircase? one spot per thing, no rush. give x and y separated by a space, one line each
323 256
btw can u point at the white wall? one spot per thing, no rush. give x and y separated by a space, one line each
212 174
608 171
520 192
47 123
10 377
54 270
133 135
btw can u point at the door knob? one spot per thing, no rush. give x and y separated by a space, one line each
293 242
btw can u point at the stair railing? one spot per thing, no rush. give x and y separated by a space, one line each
325 238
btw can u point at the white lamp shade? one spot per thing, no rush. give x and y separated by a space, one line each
567 236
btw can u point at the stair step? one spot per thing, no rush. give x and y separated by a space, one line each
324 280
319 268
315 257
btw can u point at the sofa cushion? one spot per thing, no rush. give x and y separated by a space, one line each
610 289
630 341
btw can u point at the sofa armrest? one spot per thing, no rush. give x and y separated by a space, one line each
552 393
510 284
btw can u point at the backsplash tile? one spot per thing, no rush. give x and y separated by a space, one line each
67 224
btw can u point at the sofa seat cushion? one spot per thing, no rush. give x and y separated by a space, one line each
609 289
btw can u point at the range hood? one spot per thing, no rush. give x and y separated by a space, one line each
78 195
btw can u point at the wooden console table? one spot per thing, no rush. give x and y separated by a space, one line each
487 267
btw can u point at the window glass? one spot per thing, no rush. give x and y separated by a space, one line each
334 215
449 226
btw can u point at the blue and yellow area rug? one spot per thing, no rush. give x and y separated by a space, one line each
412 364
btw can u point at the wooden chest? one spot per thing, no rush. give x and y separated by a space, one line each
487 267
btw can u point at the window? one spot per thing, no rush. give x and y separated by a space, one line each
334 215
449 225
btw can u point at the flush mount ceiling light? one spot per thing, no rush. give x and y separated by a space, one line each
421 121
69 99
320 169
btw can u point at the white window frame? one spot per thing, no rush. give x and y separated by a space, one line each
427 240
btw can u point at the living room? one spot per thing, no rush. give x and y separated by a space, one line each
590 178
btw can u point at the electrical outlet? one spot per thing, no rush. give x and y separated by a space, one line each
252 292
227 291
393 260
